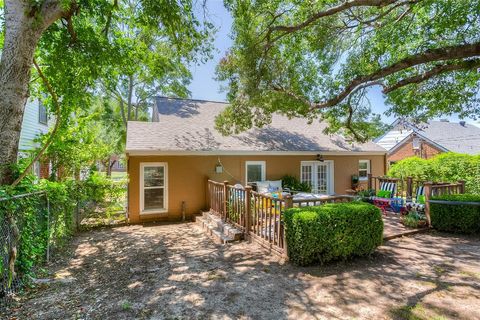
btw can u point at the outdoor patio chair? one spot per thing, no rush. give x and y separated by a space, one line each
384 202
417 203
388 187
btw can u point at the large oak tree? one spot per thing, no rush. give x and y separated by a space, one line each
319 59
78 44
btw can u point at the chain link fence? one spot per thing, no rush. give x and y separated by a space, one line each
32 225
21 214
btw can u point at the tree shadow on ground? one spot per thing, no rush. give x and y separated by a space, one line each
175 271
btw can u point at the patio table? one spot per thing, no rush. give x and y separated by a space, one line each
396 204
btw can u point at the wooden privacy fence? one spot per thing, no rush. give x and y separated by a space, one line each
259 216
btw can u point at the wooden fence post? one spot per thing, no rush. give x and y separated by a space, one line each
369 175
462 186
428 194
248 209
409 188
288 202
288 205
208 195
225 200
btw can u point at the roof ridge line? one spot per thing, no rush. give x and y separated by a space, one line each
190 99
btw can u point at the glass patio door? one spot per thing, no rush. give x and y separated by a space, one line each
318 175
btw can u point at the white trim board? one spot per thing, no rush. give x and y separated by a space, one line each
331 172
165 193
261 163
251 153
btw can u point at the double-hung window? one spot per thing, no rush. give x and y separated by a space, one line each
153 187
255 171
363 169
42 113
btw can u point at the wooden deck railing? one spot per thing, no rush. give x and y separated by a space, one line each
259 216
438 189
407 188
216 197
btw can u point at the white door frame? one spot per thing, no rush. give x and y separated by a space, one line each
330 173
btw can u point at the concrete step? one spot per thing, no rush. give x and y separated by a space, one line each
221 232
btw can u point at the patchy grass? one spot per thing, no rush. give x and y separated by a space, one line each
417 312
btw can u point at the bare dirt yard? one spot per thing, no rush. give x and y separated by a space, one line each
176 272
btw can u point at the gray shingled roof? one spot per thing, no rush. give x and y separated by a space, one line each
453 136
188 125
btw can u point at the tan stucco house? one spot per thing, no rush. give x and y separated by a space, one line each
171 158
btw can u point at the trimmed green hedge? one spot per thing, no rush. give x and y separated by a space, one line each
332 231
456 218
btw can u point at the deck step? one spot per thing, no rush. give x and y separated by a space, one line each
220 231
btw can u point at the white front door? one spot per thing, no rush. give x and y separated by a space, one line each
319 175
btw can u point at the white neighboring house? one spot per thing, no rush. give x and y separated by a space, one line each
35 122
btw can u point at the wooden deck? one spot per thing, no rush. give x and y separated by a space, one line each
394 228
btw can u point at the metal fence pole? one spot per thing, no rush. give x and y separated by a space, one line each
48 228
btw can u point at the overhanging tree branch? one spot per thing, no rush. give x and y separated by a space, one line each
431 55
445 68
347 5
54 130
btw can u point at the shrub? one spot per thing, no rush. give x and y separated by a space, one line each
414 219
332 231
294 184
456 218
366 195
443 167
37 228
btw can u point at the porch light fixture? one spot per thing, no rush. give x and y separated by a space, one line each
218 168
320 158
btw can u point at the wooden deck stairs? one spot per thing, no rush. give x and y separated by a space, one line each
221 232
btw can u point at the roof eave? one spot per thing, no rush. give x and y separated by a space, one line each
148 152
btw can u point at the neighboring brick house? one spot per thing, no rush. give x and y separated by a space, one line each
405 139
35 122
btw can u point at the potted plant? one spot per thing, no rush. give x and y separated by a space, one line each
414 219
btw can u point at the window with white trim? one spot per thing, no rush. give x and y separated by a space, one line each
153 187
363 169
42 113
255 171
416 143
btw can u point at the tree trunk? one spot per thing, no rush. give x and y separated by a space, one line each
129 98
21 38
24 25
109 167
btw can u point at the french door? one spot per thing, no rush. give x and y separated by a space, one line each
319 175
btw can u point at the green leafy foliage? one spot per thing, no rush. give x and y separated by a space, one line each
462 218
366 195
294 184
289 58
332 232
414 219
43 223
448 167
384 194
